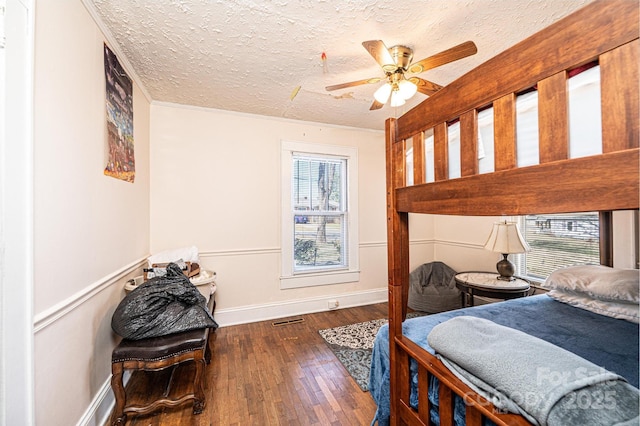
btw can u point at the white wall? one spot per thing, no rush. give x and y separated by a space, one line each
91 232
422 240
625 239
459 242
215 184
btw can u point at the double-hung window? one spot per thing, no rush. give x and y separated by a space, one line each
319 202
319 212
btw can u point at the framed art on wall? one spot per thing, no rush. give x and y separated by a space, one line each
119 102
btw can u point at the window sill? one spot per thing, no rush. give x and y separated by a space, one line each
316 279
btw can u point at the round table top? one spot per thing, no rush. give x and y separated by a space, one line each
490 281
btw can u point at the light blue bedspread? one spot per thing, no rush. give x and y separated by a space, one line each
607 342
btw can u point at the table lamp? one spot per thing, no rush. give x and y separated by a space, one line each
506 238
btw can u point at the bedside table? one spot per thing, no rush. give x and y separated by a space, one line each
487 284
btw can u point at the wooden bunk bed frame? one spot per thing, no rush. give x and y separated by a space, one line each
605 31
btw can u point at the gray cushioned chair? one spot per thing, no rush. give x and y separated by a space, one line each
432 288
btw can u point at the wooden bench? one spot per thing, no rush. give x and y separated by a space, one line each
159 353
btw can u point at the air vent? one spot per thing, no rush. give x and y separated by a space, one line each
287 322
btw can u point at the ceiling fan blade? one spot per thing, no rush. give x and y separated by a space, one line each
380 53
425 86
375 105
353 83
460 51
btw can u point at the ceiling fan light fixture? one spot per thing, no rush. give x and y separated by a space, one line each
407 89
382 94
395 62
397 99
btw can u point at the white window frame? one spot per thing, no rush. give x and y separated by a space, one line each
351 272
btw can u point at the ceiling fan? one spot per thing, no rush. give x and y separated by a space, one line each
395 62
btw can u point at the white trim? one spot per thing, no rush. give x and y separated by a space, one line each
373 244
276 250
422 241
104 398
458 244
255 313
240 252
266 117
115 47
99 410
57 311
17 401
362 245
316 279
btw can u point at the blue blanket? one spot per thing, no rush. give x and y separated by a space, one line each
607 342
522 374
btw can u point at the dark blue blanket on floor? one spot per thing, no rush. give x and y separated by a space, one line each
607 342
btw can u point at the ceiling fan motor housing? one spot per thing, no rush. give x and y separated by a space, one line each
402 56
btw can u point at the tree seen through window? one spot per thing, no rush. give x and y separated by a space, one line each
319 212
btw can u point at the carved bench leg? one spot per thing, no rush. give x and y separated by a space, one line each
198 402
118 418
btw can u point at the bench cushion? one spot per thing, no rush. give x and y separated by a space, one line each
157 348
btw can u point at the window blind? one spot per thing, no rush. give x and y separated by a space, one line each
319 211
560 240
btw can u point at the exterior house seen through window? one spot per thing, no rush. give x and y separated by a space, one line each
557 241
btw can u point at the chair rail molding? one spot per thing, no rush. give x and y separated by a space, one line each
57 311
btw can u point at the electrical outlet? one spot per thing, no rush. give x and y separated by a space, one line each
333 304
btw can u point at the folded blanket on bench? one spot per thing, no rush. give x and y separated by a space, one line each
523 374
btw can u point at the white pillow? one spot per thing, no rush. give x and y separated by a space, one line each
598 282
621 310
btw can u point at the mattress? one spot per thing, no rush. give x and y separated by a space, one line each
608 342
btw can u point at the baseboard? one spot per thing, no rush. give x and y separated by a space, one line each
254 313
99 411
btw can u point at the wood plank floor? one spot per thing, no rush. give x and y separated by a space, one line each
266 375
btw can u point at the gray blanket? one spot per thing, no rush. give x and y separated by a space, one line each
526 375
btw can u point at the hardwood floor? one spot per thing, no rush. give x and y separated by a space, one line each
262 374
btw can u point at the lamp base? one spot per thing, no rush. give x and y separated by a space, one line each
506 268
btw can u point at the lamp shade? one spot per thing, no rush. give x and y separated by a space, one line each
382 94
407 89
396 99
506 238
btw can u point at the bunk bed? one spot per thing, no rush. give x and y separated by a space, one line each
604 33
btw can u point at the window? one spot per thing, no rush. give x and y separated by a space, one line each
319 202
319 213
557 241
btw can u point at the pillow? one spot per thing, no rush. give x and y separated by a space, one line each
621 310
598 282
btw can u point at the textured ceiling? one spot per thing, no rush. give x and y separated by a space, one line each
249 56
